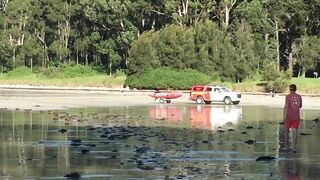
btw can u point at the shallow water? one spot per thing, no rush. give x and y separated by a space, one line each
155 142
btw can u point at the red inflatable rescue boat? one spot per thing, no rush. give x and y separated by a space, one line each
166 96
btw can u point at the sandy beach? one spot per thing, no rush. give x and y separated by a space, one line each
51 98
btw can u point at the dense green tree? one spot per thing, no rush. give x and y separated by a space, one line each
306 51
313 17
144 53
176 47
207 50
228 39
244 43
255 14
289 18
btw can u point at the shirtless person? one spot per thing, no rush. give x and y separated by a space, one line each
291 116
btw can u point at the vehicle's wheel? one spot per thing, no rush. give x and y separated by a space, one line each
207 102
199 100
227 100
161 100
168 100
235 102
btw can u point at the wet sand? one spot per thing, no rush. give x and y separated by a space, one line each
130 143
46 98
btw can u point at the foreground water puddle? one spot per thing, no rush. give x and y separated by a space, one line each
155 142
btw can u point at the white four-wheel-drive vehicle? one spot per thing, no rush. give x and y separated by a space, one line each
208 94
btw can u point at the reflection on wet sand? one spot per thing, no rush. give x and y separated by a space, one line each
292 169
201 117
212 117
165 112
127 143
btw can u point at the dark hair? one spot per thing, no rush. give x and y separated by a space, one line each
293 87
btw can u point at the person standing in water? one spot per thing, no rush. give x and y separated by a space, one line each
291 116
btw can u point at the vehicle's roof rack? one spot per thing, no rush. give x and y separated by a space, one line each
214 84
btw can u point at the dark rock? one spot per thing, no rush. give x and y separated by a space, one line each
231 130
249 127
91 128
139 162
316 120
250 141
181 176
73 175
104 136
85 151
305 134
75 144
265 158
142 149
205 141
62 130
91 145
75 140
220 131
243 132
145 167
114 156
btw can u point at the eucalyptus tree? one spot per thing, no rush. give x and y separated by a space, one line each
147 14
111 32
264 34
190 12
31 53
289 18
59 15
16 22
313 17
224 9
306 53
39 28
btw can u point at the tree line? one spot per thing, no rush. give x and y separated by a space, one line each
231 39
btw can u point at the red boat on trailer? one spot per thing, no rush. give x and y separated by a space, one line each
166 96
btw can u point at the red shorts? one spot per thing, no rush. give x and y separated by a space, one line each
292 124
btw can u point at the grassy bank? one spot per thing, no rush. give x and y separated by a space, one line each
90 81
305 86
68 79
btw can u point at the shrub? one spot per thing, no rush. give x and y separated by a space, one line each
165 78
120 72
19 72
270 72
281 83
71 71
50 72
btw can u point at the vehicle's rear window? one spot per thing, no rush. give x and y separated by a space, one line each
197 89
225 89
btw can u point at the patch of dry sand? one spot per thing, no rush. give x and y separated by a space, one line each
50 99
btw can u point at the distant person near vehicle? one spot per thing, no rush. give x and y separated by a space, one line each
291 116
